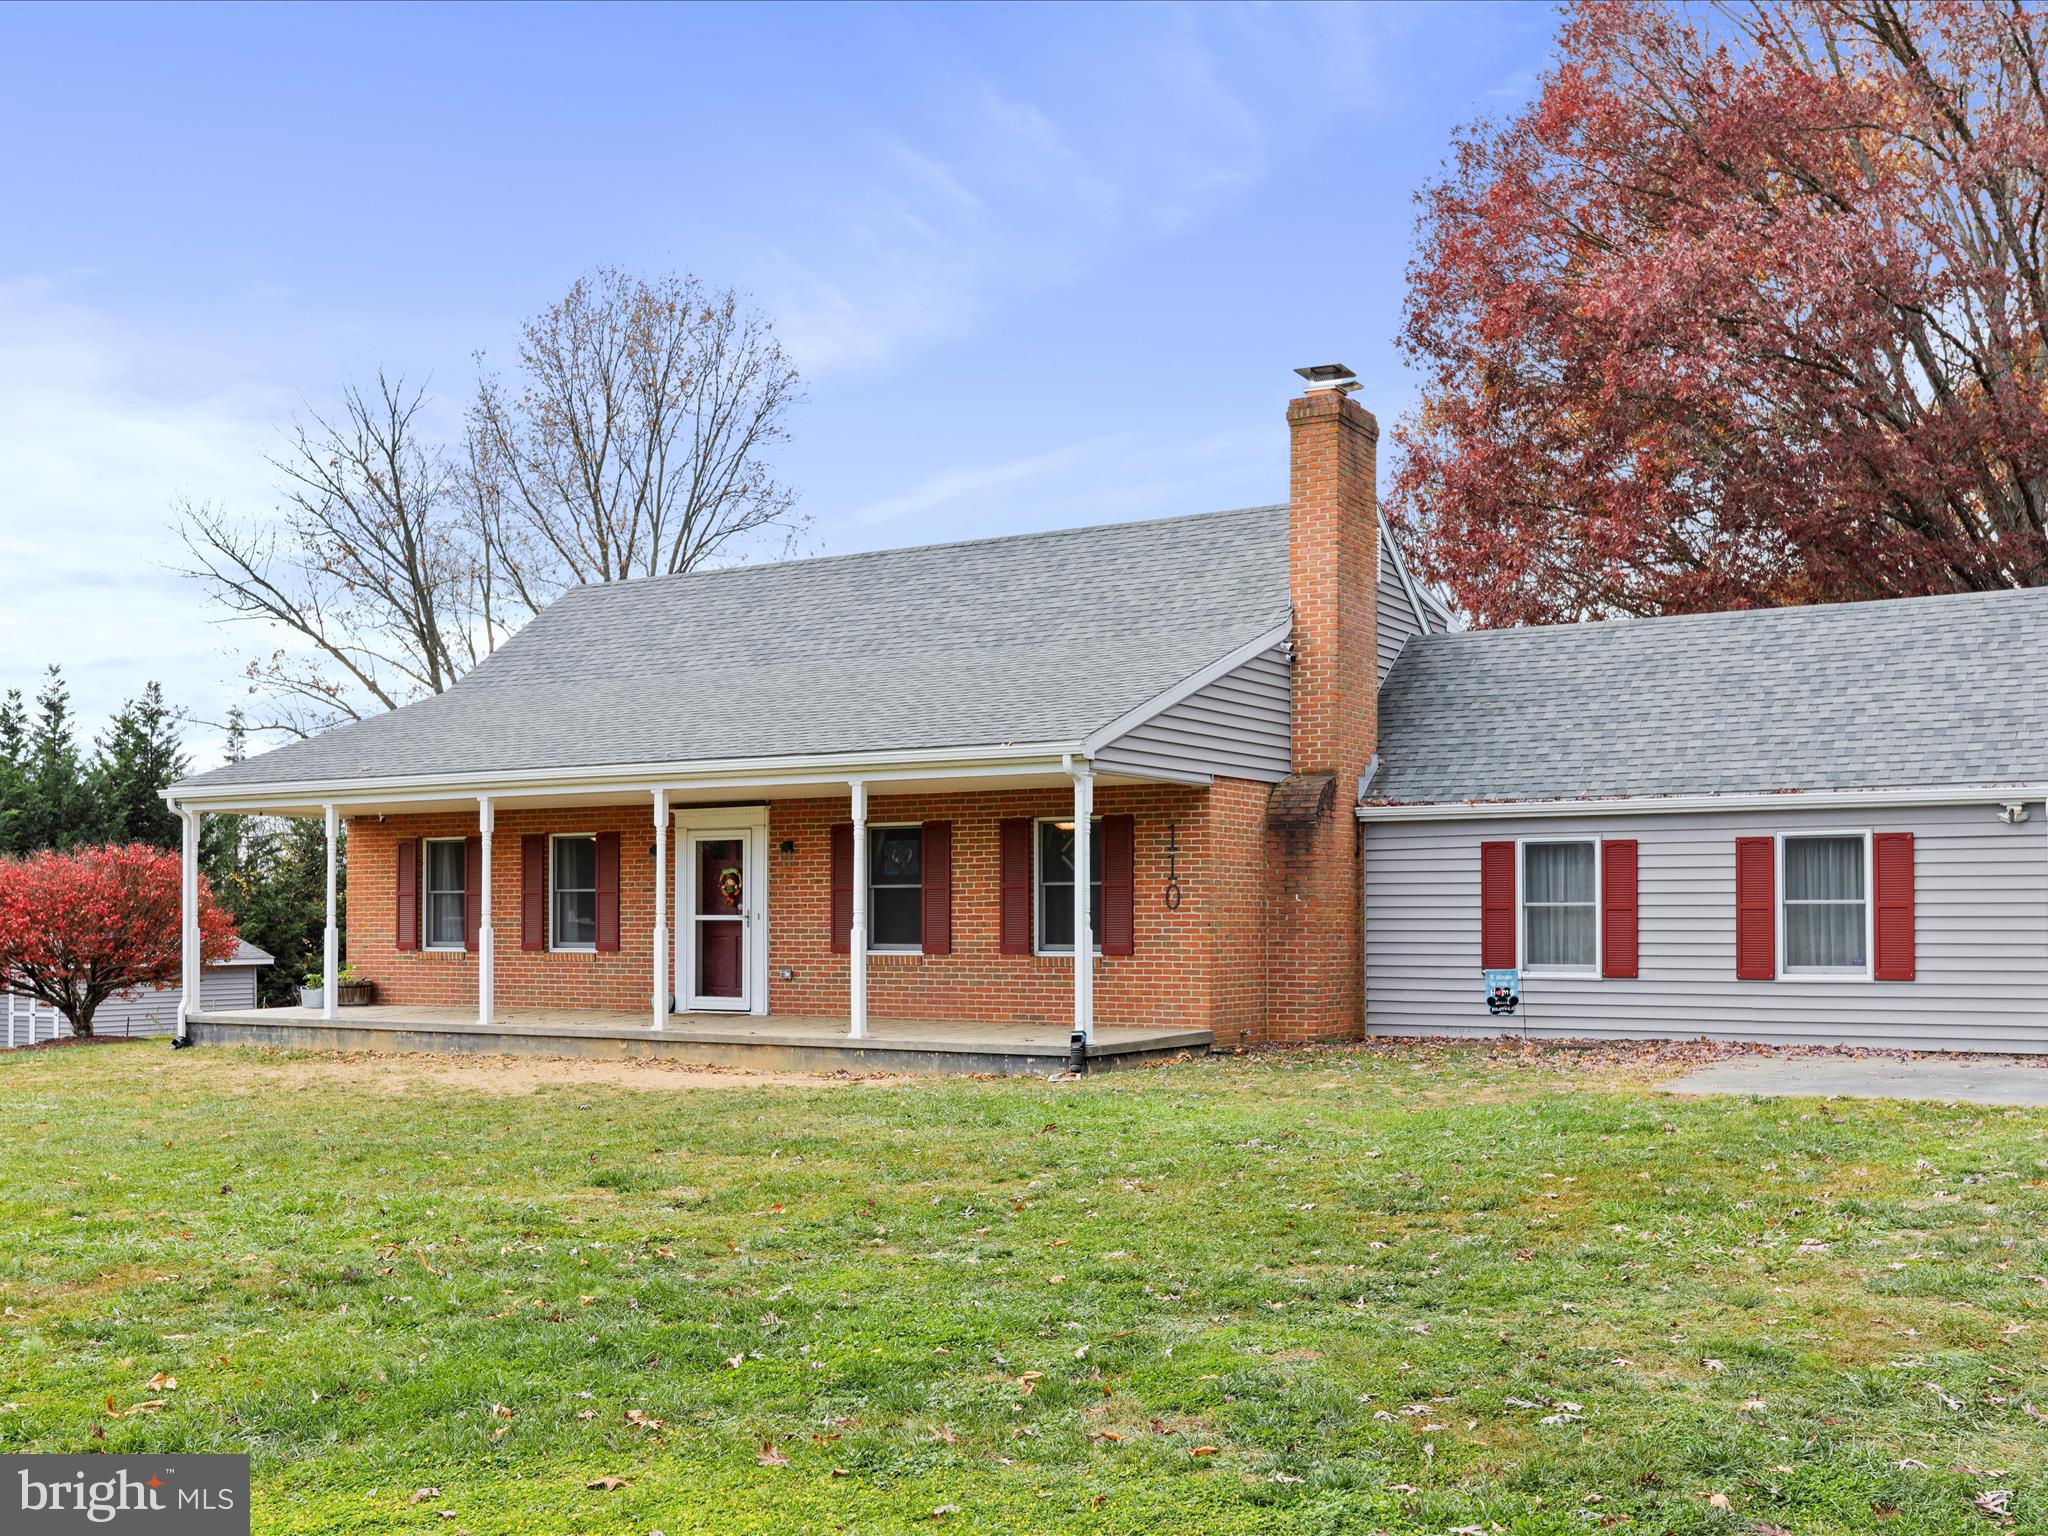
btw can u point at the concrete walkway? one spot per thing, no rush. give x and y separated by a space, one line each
1992 1080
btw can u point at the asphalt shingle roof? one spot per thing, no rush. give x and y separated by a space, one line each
1034 638
1910 692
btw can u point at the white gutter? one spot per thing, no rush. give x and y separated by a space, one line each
713 773
1675 805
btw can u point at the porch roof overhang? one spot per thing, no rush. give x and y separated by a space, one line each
1041 765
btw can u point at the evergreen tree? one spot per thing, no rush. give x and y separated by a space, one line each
139 757
222 839
57 809
13 785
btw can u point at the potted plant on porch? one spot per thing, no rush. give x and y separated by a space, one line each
355 991
351 990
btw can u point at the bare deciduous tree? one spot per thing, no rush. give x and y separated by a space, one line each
377 573
633 441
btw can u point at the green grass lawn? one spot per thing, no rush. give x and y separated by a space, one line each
1400 1290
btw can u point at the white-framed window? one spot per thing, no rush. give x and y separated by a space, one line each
896 889
1560 888
572 891
1824 905
447 890
1053 883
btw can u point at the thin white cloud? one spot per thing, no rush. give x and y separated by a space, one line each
90 457
1012 189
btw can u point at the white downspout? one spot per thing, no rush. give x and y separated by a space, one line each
486 935
857 941
330 939
661 951
1084 927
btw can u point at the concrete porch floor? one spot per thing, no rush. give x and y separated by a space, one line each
773 1042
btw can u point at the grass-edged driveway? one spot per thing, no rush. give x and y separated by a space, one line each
1411 1290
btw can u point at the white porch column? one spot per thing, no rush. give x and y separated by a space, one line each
1084 927
188 926
662 987
857 944
486 936
330 940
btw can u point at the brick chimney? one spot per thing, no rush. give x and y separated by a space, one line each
1316 957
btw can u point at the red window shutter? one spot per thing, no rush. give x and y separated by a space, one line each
938 887
408 893
1891 857
842 888
607 891
1756 909
1014 884
472 891
1497 906
533 892
1119 880
1618 906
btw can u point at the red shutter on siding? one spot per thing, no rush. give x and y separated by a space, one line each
1497 906
607 891
938 887
1891 857
1014 881
1119 878
1618 906
1756 915
533 892
472 891
408 893
842 888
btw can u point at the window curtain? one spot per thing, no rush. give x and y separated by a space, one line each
1559 903
1824 896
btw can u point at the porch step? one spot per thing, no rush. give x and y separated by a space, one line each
766 1045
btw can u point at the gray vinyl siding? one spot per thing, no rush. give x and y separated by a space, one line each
1237 727
1981 936
1397 625
155 1012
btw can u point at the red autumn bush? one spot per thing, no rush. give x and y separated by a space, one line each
77 928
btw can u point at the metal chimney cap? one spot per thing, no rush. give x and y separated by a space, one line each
1328 375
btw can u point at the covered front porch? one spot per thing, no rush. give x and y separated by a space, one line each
880 917
771 1042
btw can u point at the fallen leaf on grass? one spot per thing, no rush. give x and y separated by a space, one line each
1993 1501
121 1413
500 1411
771 1457
421 1495
1719 1501
161 1383
586 1413
1202 1450
944 1510
608 1484
640 1419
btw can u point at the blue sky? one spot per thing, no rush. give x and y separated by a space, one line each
1041 265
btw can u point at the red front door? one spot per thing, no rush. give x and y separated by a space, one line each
719 919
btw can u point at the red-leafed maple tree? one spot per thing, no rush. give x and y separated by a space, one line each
77 928
1750 307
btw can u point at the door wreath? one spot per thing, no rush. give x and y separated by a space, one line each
729 885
